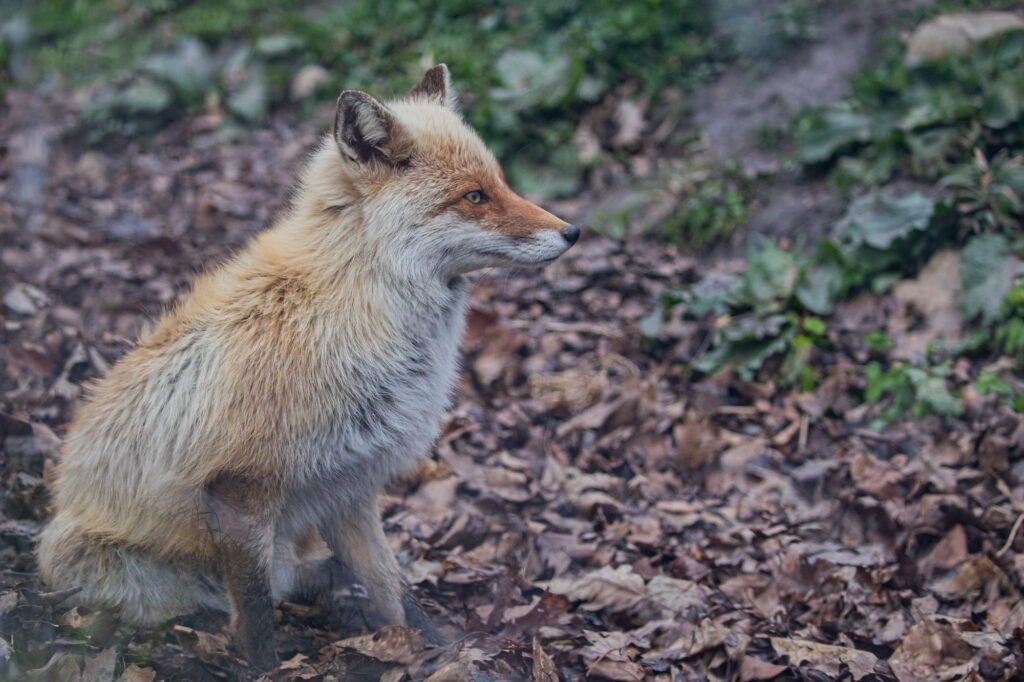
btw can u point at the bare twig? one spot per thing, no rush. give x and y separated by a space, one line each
1012 536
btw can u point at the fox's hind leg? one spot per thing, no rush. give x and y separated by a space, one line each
243 540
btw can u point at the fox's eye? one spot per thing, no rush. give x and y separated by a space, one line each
475 197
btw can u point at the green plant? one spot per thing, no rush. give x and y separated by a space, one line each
1009 332
989 196
778 307
711 208
760 314
527 70
921 390
922 119
989 383
879 342
769 136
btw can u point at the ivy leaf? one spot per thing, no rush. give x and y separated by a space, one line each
187 69
931 392
818 289
771 273
880 218
718 293
747 343
818 141
987 270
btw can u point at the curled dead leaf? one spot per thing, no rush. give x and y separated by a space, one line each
878 479
696 439
931 650
826 657
543 666
134 673
573 389
390 644
611 589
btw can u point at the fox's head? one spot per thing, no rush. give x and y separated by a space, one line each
430 191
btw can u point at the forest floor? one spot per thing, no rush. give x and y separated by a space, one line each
595 507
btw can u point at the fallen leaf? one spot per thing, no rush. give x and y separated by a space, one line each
929 651
390 644
752 669
878 479
607 588
543 666
826 657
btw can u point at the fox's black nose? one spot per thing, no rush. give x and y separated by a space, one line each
571 234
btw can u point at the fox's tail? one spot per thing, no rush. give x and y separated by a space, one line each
145 591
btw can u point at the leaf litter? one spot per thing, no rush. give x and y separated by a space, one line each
590 509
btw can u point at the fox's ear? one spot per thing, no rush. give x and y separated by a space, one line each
365 129
436 86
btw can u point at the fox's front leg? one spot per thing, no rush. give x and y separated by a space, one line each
356 536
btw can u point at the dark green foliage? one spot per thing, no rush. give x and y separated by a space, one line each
1009 333
921 390
527 69
711 208
961 117
989 196
920 120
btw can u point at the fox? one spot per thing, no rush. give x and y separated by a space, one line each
266 412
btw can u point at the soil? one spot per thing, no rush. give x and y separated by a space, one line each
751 97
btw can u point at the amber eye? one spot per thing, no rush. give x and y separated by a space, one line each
475 197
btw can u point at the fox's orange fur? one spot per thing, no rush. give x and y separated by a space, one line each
277 400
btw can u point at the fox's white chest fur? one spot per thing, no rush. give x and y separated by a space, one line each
390 415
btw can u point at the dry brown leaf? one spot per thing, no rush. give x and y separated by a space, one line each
629 116
951 33
208 647
607 588
623 671
597 416
573 389
696 440
62 667
934 295
543 666
970 577
753 669
100 668
879 479
671 597
826 657
931 650
506 484
707 635
134 673
390 644
948 552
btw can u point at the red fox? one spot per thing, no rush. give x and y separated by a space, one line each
282 395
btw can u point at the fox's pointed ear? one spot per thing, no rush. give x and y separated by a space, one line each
436 86
365 129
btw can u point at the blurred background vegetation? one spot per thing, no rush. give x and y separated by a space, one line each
526 70
925 156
